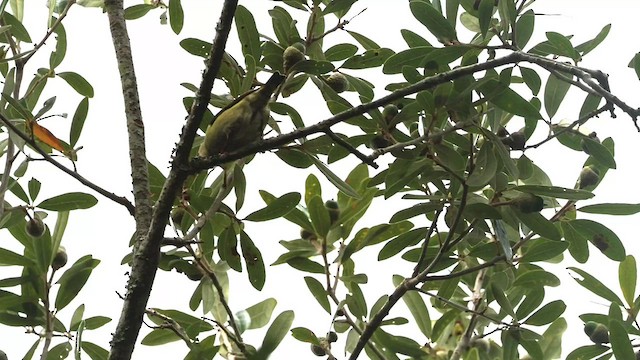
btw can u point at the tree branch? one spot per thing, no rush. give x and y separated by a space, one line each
118 199
146 257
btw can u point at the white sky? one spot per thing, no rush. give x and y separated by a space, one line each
104 230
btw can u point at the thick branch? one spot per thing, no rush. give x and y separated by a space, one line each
145 260
139 285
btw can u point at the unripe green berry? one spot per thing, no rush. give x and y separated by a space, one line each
60 259
332 336
292 55
379 142
334 210
307 235
528 203
338 82
588 177
598 333
389 113
35 227
318 350
177 214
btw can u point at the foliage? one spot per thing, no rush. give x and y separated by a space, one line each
477 220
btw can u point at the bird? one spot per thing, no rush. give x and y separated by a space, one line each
240 123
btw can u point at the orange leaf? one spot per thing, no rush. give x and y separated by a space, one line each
44 135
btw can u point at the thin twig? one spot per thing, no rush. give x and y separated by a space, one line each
118 199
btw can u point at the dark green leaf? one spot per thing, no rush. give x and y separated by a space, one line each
417 307
253 260
601 237
536 278
587 46
532 79
555 192
595 286
318 292
508 100
369 59
94 351
547 314
68 201
524 28
276 333
176 16
137 11
620 343
340 52
554 92
258 315
539 225
247 32
78 83
627 276
587 352
276 208
433 20
335 180
79 116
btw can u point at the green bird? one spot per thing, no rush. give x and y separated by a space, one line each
242 122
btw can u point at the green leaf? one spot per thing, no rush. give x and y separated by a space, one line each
587 352
601 237
73 280
554 92
78 83
539 225
547 314
247 32
485 14
319 216
305 335
228 248
319 293
94 351
159 337
627 276
562 45
60 351
417 308
508 100
276 333
364 41
256 316
79 116
137 11
498 293
524 28
253 260
176 16
536 278
611 209
620 343
433 20
543 249
8 257
595 286
532 79
335 180
555 192
587 46
599 152
369 59
34 188
340 52
276 208
17 29
68 201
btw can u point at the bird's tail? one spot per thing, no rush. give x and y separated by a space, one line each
274 81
